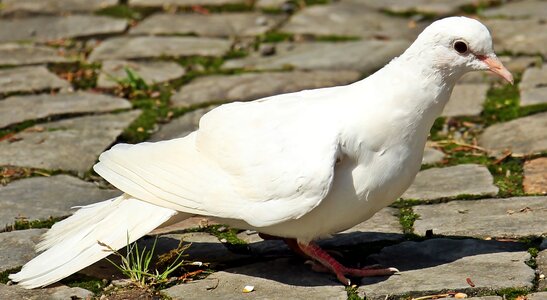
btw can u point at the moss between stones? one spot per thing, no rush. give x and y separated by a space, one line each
32 224
4 275
352 293
89 283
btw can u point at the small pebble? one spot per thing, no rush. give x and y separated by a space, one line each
248 288
267 50
223 240
221 229
541 276
460 296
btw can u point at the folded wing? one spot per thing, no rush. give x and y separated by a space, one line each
263 162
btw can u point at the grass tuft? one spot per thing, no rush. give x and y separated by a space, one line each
136 264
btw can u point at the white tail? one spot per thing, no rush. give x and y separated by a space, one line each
71 244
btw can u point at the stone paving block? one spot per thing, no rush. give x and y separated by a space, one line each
277 279
519 10
437 183
535 176
383 226
17 248
70 144
29 79
58 292
432 155
541 261
354 19
466 100
244 87
522 136
47 28
53 6
437 265
519 36
533 86
435 7
212 25
39 198
537 296
270 4
163 3
17 109
508 217
263 248
17 55
150 71
158 46
180 126
363 56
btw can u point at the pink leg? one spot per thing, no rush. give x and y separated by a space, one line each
315 252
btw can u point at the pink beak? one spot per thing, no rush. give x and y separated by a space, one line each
495 65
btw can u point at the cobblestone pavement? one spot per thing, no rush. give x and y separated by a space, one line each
77 76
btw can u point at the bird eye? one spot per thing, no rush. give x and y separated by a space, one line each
461 47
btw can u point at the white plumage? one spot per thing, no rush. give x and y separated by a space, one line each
302 165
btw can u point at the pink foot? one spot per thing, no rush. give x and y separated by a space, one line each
314 251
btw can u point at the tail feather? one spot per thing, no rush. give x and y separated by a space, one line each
71 244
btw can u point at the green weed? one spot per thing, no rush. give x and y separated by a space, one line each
136 264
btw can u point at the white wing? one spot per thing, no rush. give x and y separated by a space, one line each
263 162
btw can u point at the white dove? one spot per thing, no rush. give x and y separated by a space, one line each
299 166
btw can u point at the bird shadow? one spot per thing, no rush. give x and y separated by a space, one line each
272 260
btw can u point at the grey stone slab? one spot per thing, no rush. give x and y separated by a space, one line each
213 25
466 100
163 3
522 136
244 87
508 217
263 248
17 109
519 36
383 226
435 7
438 265
18 54
437 183
158 46
519 9
432 155
17 248
277 279
533 86
53 6
29 79
39 198
180 126
150 71
541 261
70 144
537 296
270 4
535 176
57 292
354 19
362 56
46 28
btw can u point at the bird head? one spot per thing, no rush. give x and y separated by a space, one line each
459 45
